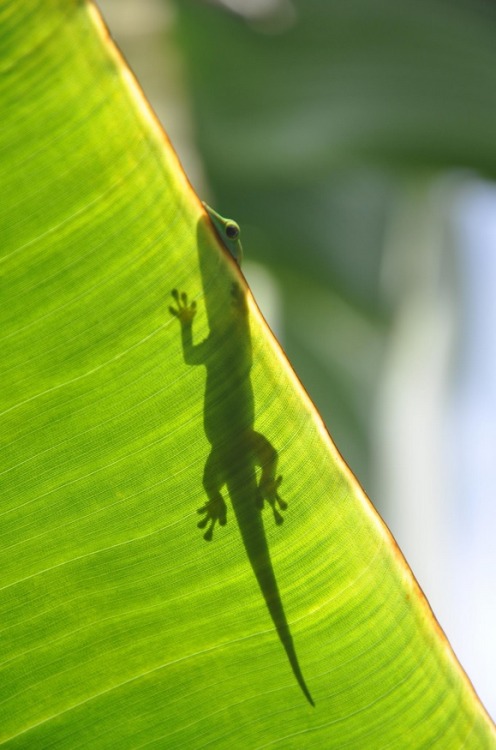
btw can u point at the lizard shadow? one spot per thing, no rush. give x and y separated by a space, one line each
241 459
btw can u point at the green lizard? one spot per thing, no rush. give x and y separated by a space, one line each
237 449
228 231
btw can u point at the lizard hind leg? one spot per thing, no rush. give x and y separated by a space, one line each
215 510
265 456
271 494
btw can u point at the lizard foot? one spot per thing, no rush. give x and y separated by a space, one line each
269 491
215 510
184 312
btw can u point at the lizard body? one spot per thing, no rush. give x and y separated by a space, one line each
237 448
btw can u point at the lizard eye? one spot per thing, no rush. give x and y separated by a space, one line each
232 230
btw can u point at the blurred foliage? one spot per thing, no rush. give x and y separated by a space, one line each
312 117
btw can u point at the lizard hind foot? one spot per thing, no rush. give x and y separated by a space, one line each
269 490
210 531
281 503
215 512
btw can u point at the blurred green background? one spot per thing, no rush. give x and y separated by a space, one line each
354 141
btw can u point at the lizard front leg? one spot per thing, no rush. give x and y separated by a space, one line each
194 354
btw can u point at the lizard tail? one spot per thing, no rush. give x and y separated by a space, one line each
274 605
255 543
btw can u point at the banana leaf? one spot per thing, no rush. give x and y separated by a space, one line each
142 395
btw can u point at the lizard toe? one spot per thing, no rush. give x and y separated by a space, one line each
209 534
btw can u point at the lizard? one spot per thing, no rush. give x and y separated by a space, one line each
237 449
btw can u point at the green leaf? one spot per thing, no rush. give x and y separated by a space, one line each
121 626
